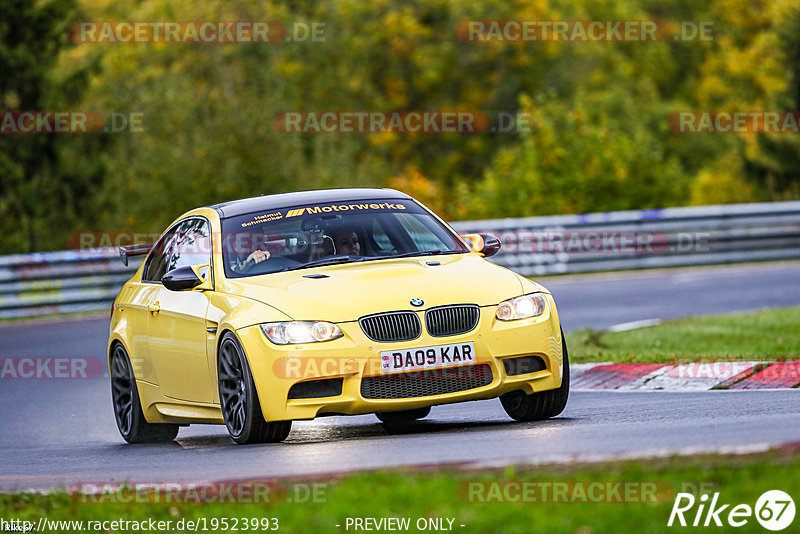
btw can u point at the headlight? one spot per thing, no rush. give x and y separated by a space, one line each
294 332
521 307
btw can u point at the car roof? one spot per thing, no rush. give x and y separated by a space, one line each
287 200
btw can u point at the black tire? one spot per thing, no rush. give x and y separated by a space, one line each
131 423
238 398
543 405
404 416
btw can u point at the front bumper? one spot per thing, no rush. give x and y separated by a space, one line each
353 357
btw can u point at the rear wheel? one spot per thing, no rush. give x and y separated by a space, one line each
238 398
404 416
127 407
543 405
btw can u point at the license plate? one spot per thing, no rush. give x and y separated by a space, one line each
427 357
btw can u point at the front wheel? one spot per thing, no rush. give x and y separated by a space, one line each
543 405
127 406
238 399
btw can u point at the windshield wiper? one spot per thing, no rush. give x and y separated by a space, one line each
425 253
330 260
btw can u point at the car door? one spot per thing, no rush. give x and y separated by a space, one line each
136 312
177 321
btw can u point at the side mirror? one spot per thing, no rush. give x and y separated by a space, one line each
190 277
486 244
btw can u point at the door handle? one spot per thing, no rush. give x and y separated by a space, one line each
154 308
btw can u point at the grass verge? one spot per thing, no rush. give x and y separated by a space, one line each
767 335
456 495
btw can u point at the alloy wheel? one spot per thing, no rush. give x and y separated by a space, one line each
233 393
122 390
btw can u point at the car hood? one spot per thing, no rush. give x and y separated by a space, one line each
353 290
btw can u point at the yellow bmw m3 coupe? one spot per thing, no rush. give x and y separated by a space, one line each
261 311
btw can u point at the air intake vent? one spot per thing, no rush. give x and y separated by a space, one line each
523 365
392 326
451 320
327 387
426 383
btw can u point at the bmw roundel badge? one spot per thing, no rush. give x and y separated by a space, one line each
416 302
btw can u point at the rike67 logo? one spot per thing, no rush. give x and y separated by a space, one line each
774 510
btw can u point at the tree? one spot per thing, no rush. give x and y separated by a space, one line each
34 198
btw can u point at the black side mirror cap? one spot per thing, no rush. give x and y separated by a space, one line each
491 245
181 279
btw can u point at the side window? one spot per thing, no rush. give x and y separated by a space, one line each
192 245
159 258
188 243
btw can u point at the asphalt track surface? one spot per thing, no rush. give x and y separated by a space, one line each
61 432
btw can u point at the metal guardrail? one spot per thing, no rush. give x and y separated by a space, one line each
47 283
643 239
67 281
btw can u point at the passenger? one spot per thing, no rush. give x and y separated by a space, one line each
346 241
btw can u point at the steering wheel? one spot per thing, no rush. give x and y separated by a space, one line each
272 265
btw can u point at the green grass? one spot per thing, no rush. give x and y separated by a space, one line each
441 494
768 335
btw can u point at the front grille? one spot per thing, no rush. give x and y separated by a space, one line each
451 320
392 326
426 383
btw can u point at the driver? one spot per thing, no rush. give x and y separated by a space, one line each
243 259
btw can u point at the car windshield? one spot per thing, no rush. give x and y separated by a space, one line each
328 233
